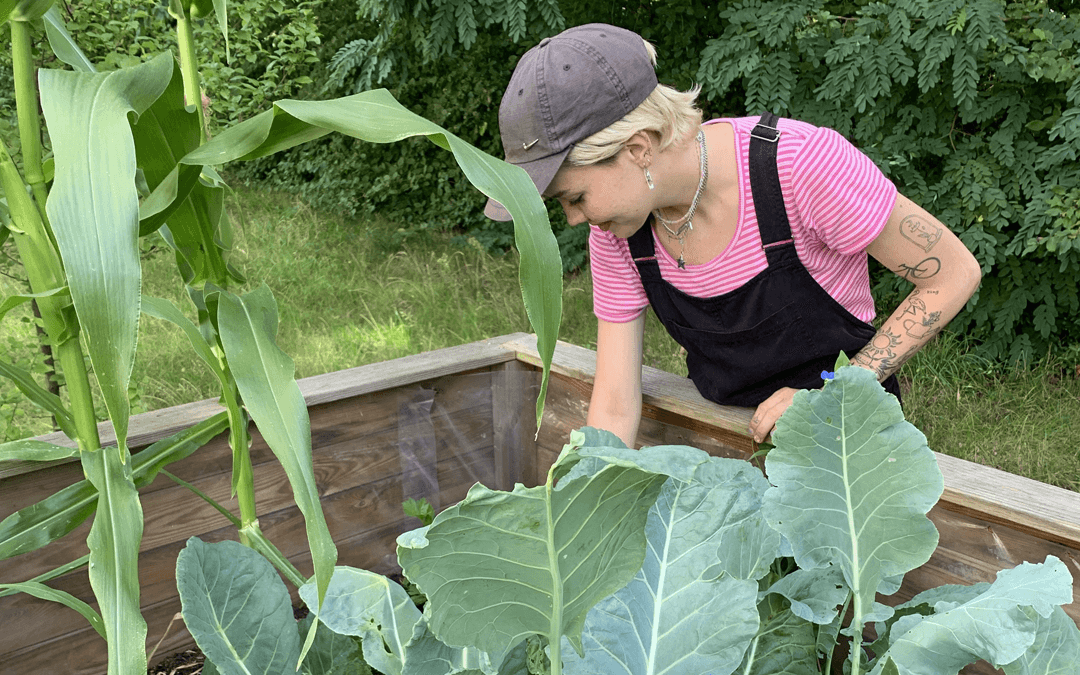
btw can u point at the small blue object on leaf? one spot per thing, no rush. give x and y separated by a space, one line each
826 375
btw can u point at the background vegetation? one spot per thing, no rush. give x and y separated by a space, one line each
971 106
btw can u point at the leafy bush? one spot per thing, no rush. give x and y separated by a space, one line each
971 106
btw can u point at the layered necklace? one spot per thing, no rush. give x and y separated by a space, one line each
678 228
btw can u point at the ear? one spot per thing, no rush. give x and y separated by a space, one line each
641 147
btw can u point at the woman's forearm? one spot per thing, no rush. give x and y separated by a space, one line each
915 322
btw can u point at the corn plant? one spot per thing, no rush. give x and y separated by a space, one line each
130 159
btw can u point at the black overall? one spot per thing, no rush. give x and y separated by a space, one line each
780 329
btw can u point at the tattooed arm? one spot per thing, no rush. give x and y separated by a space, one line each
919 248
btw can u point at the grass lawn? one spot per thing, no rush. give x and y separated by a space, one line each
352 293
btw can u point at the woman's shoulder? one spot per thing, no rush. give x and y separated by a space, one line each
792 130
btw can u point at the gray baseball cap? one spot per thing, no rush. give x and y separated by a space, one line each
566 89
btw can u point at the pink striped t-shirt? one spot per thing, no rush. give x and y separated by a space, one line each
837 202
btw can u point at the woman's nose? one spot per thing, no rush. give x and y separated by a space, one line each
574 216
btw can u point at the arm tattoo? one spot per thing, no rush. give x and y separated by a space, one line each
882 354
920 232
879 355
923 270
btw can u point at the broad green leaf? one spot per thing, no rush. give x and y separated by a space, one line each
35 451
998 625
332 653
501 566
376 117
47 593
1055 651
114 557
785 645
39 396
265 376
30 528
15 300
815 594
237 609
853 483
371 607
396 639
426 655
94 210
674 616
62 44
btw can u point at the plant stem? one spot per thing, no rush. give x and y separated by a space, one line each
26 102
555 634
189 66
45 271
260 543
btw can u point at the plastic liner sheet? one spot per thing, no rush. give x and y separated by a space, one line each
449 430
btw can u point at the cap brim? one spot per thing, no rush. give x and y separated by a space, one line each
542 171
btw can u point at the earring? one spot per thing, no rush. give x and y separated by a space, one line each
648 179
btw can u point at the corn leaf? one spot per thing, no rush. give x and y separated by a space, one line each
94 210
34 526
375 116
853 483
62 44
15 300
114 557
265 376
39 396
237 609
47 593
30 450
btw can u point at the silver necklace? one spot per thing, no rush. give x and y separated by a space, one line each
684 224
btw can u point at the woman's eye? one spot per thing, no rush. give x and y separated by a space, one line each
576 200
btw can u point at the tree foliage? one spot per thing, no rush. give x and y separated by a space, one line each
971 106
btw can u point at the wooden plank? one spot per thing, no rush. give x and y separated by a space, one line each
155 425
358 469
660 391
1049 512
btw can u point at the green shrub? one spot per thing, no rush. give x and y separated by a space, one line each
273 45
971 106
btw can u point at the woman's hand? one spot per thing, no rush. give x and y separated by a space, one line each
770 410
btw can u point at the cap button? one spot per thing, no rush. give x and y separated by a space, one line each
543 43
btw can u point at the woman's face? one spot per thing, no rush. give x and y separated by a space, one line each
612 196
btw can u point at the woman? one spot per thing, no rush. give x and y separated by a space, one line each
748 237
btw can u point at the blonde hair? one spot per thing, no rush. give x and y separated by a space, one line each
670 113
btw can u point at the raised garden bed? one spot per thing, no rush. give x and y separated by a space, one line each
430 426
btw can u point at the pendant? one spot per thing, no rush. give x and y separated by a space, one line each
682 263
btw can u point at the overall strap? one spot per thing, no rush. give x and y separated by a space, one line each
772 218
643 251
